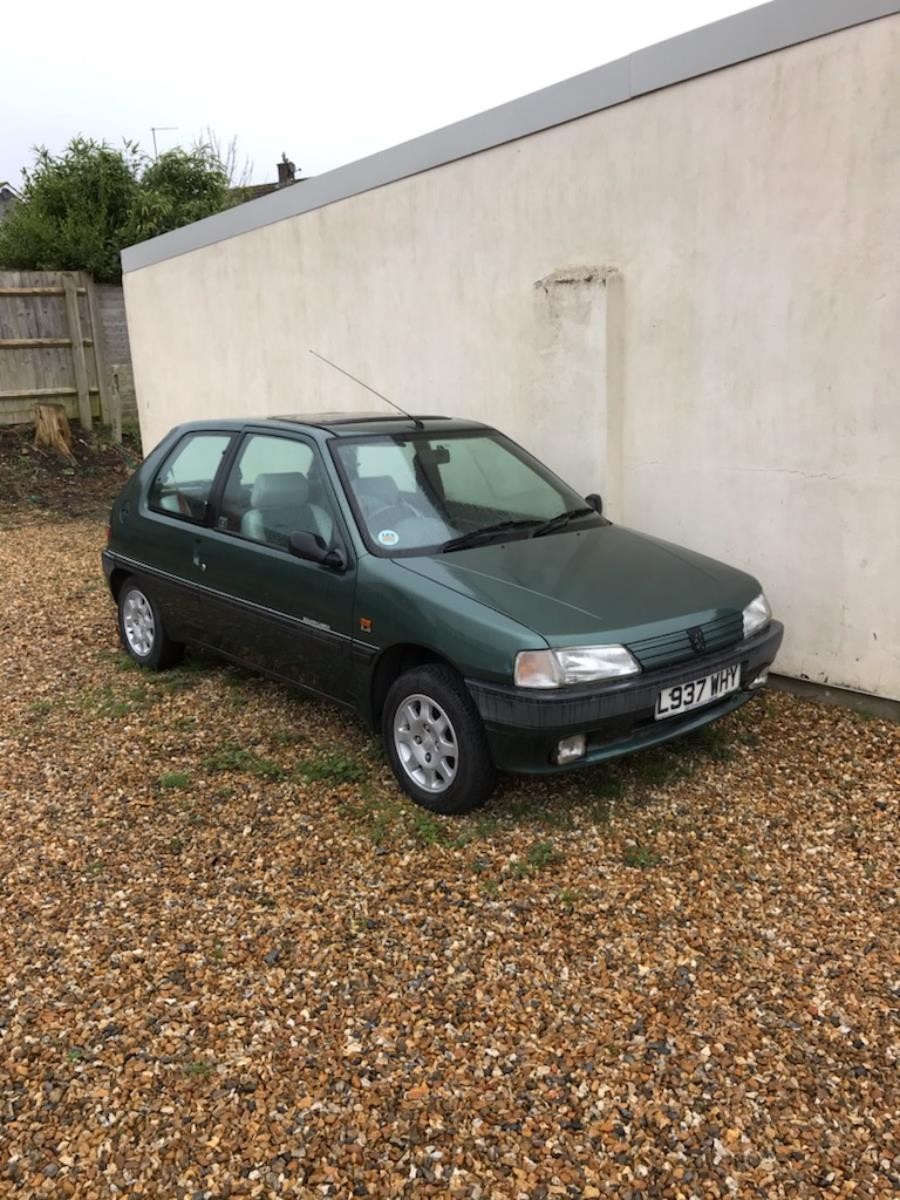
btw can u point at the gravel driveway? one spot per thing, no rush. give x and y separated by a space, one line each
233 962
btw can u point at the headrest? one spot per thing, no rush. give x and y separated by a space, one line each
286 488
379 487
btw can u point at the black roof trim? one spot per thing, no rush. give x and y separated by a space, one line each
327 420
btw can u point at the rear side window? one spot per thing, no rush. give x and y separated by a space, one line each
184 481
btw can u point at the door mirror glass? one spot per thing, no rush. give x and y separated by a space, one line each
595 501
312 548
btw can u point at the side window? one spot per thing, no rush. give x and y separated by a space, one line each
183 482
275 488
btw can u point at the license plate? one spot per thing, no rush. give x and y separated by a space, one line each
684 696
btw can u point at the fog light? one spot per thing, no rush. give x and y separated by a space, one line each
569 749
759 680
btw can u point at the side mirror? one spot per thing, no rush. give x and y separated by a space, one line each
595 501
312 548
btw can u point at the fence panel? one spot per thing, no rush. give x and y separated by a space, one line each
51 348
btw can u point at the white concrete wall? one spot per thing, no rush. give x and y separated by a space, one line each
690 303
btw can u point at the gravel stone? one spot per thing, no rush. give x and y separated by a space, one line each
676 976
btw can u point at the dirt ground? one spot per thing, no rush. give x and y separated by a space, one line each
235 962
38 484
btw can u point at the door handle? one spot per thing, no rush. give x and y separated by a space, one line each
198 559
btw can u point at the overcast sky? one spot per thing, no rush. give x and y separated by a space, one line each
325 82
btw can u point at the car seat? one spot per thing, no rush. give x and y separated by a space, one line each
279 506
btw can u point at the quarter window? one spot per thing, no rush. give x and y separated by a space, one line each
184 481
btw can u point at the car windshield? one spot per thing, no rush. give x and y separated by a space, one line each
422 493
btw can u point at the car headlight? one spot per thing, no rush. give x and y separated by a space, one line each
757 615
571 665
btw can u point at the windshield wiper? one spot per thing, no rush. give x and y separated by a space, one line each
562 519
487 531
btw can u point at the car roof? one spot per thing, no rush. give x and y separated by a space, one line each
344 424
347 424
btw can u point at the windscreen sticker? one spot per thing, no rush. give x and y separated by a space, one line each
388 537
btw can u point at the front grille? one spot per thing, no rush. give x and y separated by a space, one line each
669 649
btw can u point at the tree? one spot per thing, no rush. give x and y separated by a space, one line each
239 173
80 208
179 187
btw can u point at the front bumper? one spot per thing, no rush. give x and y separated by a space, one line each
524 727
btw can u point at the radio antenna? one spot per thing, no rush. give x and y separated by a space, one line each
417 423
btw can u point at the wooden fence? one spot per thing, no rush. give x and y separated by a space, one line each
51 349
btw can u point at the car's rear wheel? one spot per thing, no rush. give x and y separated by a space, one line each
435 741
141 629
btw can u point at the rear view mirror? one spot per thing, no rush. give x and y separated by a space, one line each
312 548
595 501
436 457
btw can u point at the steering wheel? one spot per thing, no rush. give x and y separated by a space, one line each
393 514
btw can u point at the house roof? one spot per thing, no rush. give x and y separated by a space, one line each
746 35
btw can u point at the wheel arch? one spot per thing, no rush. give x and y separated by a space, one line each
390 665
116 579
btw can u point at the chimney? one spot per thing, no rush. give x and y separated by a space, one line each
286 171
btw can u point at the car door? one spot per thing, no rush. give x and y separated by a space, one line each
265 606
164 537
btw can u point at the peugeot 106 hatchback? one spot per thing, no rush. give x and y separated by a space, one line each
435 577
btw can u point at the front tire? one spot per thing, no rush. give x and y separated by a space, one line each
435 741
141 629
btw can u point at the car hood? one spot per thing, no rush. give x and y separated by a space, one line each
603 584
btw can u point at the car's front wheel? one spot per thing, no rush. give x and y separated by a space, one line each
141 629
435 741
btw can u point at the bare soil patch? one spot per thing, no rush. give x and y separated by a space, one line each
38 485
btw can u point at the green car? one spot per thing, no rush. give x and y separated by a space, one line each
432 575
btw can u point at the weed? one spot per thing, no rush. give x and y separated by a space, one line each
200 1068
104 702
490 887
484 827
232 758
543 855
176 681
174 779
332 767
598 813
570 896
75 1054
602 783
117 658
380 827
94 868
712 740
539 857
287 737
427 829
40 708
640 856
655 768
